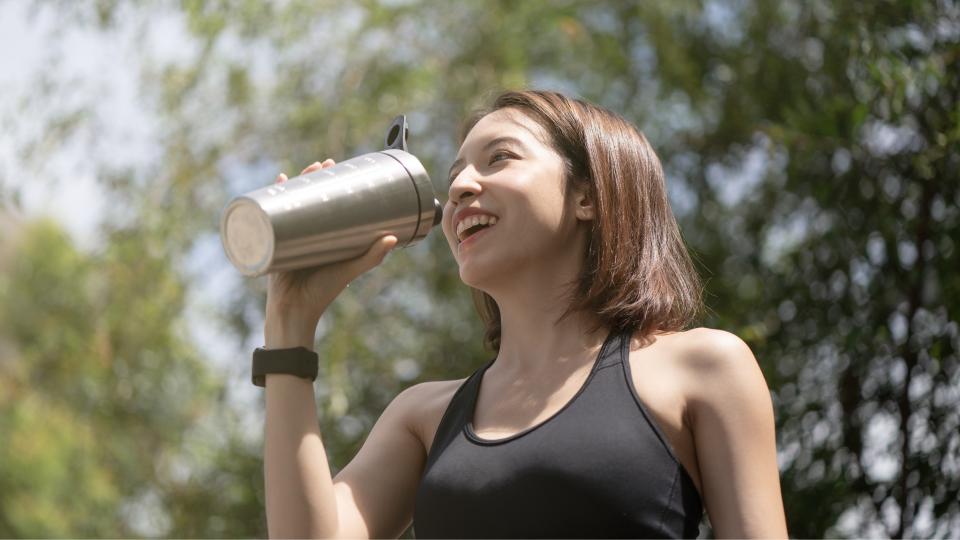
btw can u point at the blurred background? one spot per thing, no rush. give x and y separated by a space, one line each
812 152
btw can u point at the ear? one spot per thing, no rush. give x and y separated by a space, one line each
583 206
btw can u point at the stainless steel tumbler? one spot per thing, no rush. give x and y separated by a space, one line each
332 214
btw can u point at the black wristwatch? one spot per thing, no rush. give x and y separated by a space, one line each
299 361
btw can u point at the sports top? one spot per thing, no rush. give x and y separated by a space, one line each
598 468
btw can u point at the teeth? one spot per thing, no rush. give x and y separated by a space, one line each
473 221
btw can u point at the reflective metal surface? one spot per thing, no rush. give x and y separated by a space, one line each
332 214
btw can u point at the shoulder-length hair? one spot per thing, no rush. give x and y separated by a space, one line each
637 274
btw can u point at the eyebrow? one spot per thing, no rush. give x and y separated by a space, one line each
492 142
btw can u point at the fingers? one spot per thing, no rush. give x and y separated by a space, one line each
310 168
316 165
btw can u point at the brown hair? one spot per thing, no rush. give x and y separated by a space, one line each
637 273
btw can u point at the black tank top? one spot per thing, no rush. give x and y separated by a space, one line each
598 468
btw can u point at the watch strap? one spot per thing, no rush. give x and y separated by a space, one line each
299 361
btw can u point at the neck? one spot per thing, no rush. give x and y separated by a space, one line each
533 339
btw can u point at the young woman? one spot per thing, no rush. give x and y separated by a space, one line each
601 414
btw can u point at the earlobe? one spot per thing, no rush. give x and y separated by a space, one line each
585 210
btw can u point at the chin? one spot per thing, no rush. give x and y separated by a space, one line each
484 274
473 277
474 271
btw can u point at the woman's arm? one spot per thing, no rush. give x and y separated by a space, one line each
373 495
302 499
733 428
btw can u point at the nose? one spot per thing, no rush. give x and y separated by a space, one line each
464 186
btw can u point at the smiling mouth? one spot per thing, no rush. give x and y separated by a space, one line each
473 225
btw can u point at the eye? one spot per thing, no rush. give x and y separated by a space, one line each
499 155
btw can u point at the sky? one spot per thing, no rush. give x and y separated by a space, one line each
25 51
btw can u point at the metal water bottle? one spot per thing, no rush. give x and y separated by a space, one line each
332 214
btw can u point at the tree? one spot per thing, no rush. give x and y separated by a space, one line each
811 153
92 357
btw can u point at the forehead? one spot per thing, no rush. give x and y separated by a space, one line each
504 122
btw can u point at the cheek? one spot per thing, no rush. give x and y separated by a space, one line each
451 243
446 231
447 226
542 194
543 213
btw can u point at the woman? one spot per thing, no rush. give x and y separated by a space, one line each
599 416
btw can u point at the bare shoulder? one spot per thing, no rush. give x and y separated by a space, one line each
430 395
711 351
733 427
718 363
721 368
423 405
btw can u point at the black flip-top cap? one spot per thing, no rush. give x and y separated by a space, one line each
397 134
438 212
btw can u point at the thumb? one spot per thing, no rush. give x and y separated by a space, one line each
378 251
375 254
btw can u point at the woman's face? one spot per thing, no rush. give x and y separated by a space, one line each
506 211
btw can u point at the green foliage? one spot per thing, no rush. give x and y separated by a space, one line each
99 386
812 155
